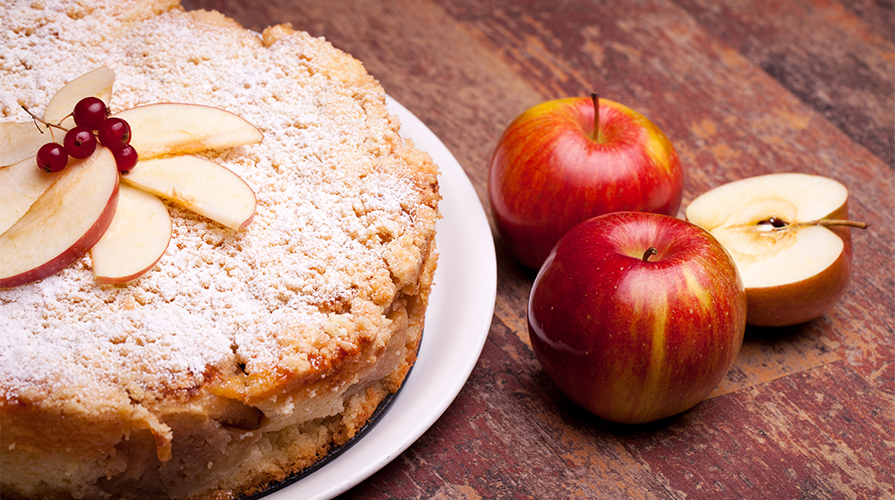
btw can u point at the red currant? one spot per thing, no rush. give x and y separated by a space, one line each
79 142
114 133
51 157
125 157
90 112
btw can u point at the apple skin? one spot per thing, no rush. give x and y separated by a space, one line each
634 341
547 172
774 307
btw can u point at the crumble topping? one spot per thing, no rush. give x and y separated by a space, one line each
331 232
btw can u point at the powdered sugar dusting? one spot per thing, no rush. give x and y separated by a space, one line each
329 205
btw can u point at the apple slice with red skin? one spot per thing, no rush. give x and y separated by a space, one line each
637 316
64 222
21 184
180 128
564 161
136 239
96 83
789 235
199 185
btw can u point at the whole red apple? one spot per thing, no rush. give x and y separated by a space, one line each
637 316
567 160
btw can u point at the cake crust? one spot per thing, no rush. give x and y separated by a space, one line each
244 355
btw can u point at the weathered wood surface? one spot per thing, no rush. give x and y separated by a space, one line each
742 88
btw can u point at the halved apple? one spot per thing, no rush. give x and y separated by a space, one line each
21 184
789 236
180 128
199 185
136 239
64 222
96 83
22 140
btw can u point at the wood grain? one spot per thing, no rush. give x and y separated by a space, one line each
742 88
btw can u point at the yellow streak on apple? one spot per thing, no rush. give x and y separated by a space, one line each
658 146
694 289
649 309
658 354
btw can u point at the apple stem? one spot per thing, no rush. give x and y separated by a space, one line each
825 223
840 222
649 253
596 99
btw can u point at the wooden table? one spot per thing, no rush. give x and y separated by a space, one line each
741 88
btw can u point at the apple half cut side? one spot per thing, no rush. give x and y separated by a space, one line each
21 140
21 184
199 185
96 83
64 222
136 239
180 128
794 266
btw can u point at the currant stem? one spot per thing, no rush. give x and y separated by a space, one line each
596 99
41 120
649 253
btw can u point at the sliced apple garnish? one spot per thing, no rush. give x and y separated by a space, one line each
199 185
64 222
788 234
96 83
21 184
136 239
21 140
179 128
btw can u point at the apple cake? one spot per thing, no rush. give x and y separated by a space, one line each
243 355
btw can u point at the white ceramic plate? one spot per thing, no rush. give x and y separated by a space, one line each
457 324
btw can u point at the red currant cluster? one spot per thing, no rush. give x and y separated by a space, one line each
92 124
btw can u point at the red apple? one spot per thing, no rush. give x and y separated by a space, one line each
637 316
560 163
